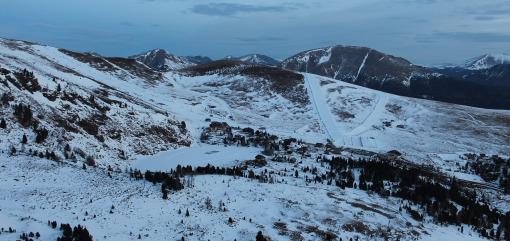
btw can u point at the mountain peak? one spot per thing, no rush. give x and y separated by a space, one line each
360 65
162 60
259 59
487 61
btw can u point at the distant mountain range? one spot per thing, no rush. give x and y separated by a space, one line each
482 81
497 75
162 60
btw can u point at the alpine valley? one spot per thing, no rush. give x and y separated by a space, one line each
334 143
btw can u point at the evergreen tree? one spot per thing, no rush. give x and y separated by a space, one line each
165 192
24 140
3 125
42 134
260 237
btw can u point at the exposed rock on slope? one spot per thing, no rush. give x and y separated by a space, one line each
66 103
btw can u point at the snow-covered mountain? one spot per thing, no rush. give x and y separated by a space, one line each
486 61
258 59
359 65
498 75
198 59
296 156
162 60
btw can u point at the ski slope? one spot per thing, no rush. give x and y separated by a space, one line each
321 107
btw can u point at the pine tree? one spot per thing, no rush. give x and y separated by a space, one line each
3 125
42 134
260 237
24 140
208 203
187 212
165 193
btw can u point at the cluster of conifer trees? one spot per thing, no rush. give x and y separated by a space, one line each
492 169
438 197
69 233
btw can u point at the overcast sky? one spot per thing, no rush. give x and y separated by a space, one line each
423 31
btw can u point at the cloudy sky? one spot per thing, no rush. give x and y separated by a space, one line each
423 31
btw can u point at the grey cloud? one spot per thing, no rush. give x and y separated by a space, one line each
232 9
260 39
127 24
485 18
489 12
498 11
466 36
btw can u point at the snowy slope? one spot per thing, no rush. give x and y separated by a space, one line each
80 106
354 116
286 210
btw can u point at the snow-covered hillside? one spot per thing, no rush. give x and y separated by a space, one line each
359 117
114 206
69 104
